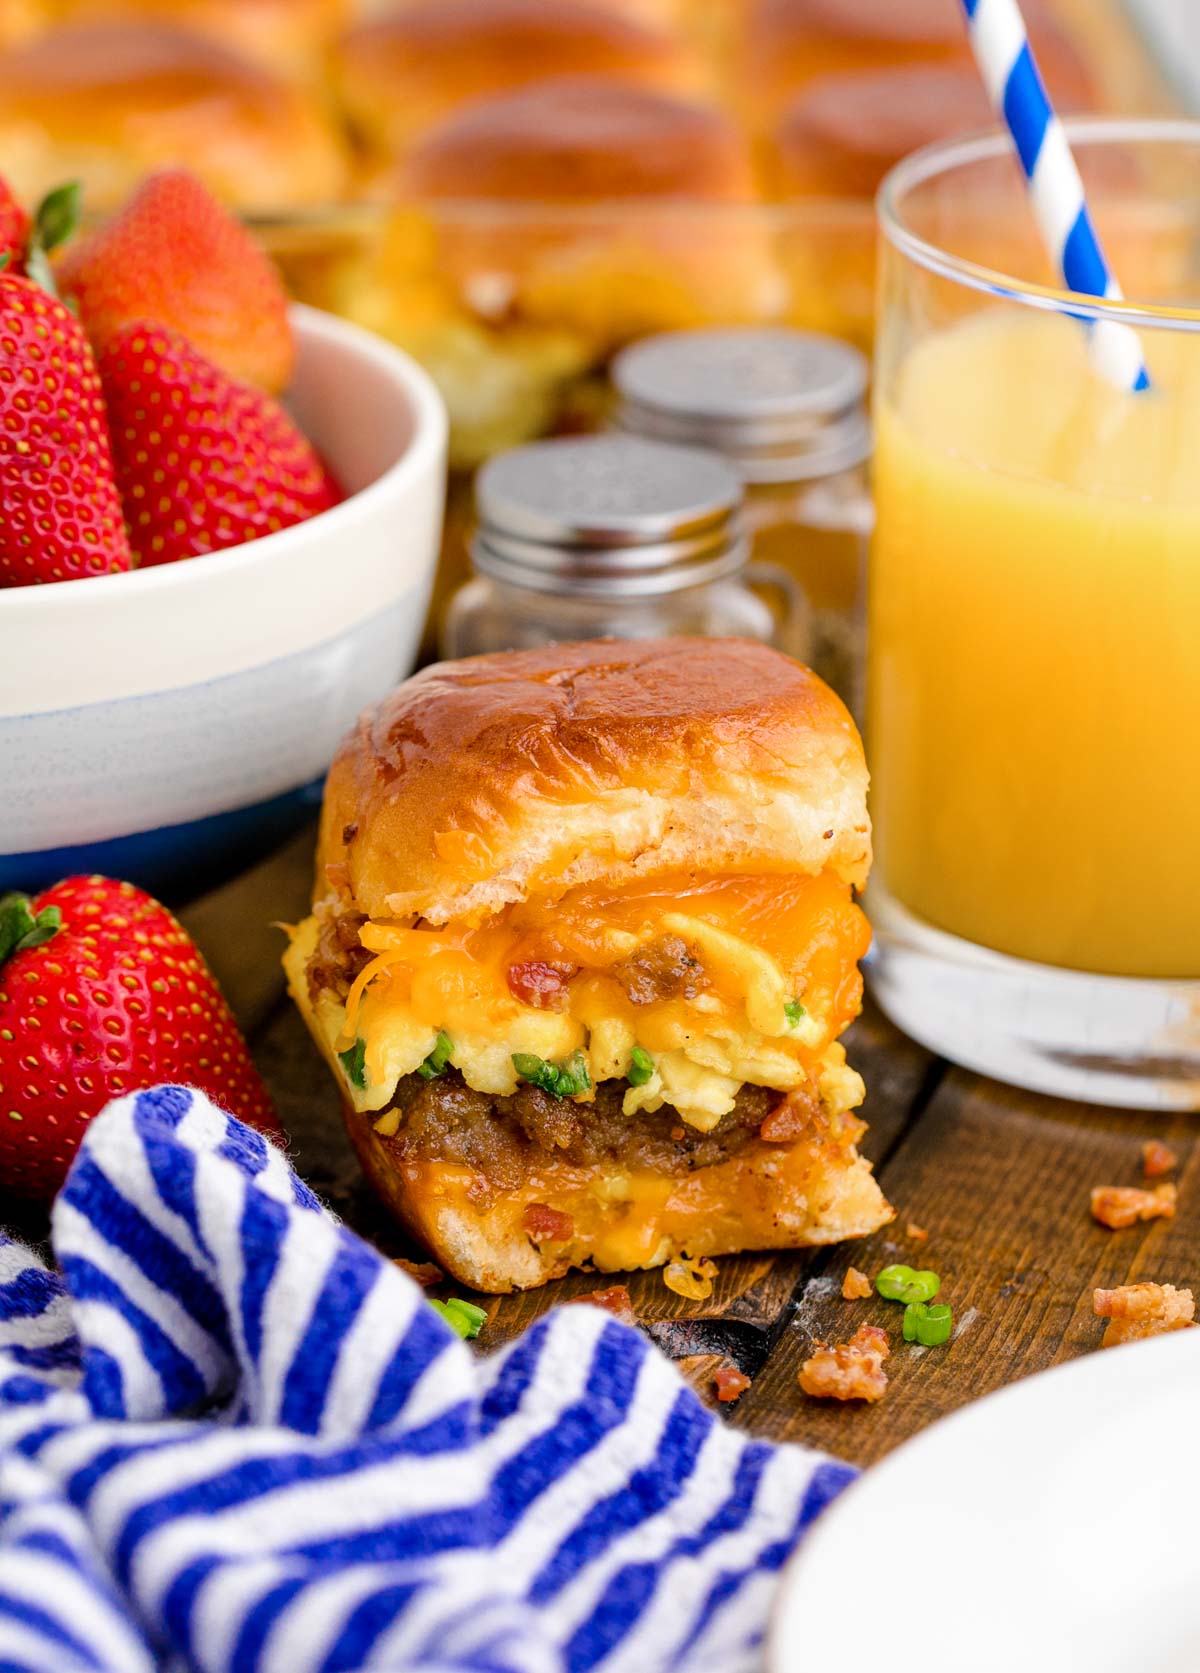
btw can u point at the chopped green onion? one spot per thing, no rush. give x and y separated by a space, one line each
641 1067
463 1317
354 1062
575 1070
930 1326
901 1283
435 1064
793 1011
560 1080
536 1071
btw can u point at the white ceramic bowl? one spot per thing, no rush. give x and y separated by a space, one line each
165 725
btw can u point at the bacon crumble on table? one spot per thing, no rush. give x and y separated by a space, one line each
544 1224
850 1370
856 1286
615 1300
1118 1206
1136 1311
731 1383
424 1273
917 1233
1157 1158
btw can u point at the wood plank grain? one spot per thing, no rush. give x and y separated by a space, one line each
236 927
1001 1179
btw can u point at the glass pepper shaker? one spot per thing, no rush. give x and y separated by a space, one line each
786 409
588 536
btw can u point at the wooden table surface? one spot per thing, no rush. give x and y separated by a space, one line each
999 1179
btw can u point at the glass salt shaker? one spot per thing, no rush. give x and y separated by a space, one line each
786 409
589 536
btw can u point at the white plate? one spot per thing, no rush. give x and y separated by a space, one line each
1053 1527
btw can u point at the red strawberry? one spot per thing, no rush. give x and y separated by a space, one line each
60 513
176 258
101 993
14 230
202 462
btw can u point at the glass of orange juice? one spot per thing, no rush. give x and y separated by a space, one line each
1034 627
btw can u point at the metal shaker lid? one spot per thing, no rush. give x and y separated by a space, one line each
778 404
594 514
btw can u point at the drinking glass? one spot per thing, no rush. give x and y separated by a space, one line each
1034 626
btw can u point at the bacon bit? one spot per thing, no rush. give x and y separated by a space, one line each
540 984
1118 1206
1157 1158
850 1370
731 1383
917 1233
856 1286
692 1278
547 1225
676 1134
424 1272
615 1300
1136 1311
790 1118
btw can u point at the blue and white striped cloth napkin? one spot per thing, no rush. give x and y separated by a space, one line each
233 1436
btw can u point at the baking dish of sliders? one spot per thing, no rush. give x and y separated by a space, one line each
510 189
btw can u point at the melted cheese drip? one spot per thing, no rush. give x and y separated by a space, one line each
761 941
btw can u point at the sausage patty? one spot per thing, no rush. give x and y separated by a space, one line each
503 1138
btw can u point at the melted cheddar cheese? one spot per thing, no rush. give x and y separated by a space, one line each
761 943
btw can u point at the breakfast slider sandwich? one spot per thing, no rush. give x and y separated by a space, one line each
583 945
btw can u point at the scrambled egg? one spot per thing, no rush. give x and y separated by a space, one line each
745 1029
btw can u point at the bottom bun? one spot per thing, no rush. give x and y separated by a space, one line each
767 1196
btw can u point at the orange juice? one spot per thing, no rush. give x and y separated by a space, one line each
1034 692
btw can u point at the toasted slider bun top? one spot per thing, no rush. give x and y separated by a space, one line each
788 43
106 102
290 36
842 133
502 778
586 139
922 22
401 73
19 18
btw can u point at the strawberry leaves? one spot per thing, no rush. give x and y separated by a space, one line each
55 221
21 928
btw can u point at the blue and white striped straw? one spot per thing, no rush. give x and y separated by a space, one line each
1014 83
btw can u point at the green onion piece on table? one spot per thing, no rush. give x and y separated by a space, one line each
641 1067
930 1326
934 1325
901 1283
464 1317
435 1064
